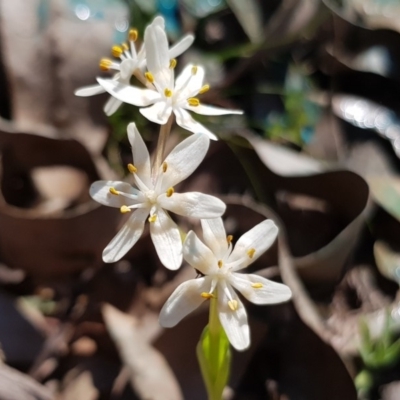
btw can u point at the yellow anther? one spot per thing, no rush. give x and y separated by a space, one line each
204 89
251 252
220 263
133 35
170 192
132 169
233 305
168 92
194 70
105 64
116 51
153 218
193 101
172 63
164 167
229 239
113 191
124 46
207 296
125 209
257 285
149 76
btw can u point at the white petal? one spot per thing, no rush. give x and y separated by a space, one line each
89 91
112 105
157 113
185 299
156 43
140 155
129 234
167 240
210 110
259 238
187 83
184 120
127 67
184 159
193 204
178 48
129 94
214 236
234 322
270 292
100 191
158 21
198 255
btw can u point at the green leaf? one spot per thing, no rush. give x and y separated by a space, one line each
214 355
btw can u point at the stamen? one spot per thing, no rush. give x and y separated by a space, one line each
193 101
117 51
194 70
220 263
170 192
133 35
257 285
207 296
168 92
204 89
125 209
251 252
132 169
153 218
113 191
229 239
164 167
233 305
125 46
105 64
149 76
172 63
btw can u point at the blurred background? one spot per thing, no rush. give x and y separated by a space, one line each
317 150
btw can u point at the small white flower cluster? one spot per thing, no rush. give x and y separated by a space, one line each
153 196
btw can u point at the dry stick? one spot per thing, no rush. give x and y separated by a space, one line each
162 140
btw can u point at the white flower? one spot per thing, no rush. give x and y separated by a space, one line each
169 96
154 194
219 264
130 61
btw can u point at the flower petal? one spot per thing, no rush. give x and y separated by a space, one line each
127 67
259 238
198 255
157 113
89 91
269 293
111 106
188 84
184 159
181 46
100 191
193 204
129 94
210 110
156 43
214 236
185 299
184 120
167 240
128 235
234 322
140 155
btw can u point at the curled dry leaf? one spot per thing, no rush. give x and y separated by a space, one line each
74 227
150 374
